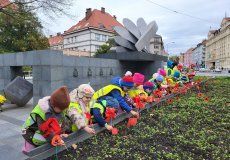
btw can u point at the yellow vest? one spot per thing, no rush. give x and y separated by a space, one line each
38 138
100 106
77 106
135 92
106 90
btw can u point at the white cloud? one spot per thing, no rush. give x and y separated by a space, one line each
185 31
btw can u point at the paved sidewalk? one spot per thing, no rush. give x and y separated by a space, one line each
11 141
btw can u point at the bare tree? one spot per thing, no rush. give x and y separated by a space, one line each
50 8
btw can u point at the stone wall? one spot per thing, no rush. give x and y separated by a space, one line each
52 69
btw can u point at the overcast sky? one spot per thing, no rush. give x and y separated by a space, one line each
179 32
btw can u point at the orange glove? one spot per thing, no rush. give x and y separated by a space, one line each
57 141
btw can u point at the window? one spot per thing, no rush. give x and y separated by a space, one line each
104 38
97 47
101 25
97 37
156 47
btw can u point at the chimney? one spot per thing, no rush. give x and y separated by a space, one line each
59 33
88 13
51 36
115 17
102 9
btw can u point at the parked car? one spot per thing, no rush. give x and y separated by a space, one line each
204 70
217 70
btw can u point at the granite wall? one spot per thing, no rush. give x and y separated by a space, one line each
52 69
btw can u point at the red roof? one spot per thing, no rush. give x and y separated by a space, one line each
55 40
227 18
4 3
97 19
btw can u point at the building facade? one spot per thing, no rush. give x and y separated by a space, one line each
181 58
89 33
93 31
156 45
88 40
188 57
56 42
198 55
218 47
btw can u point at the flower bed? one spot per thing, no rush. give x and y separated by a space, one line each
193 126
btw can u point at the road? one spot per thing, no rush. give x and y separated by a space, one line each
213 74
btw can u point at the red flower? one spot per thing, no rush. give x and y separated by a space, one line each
149 99
157 93
110 114
157 100
169 101
206 99
183 90
175 90
114 131
132 122
139 103
188 85
176 85
198 81
199 95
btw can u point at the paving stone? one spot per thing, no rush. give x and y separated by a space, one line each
19 59
28 58
56 73
69 60
82 61
11 120
1 60
9 59
46 73
6 153
56 84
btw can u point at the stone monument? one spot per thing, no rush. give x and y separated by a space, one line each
134 37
